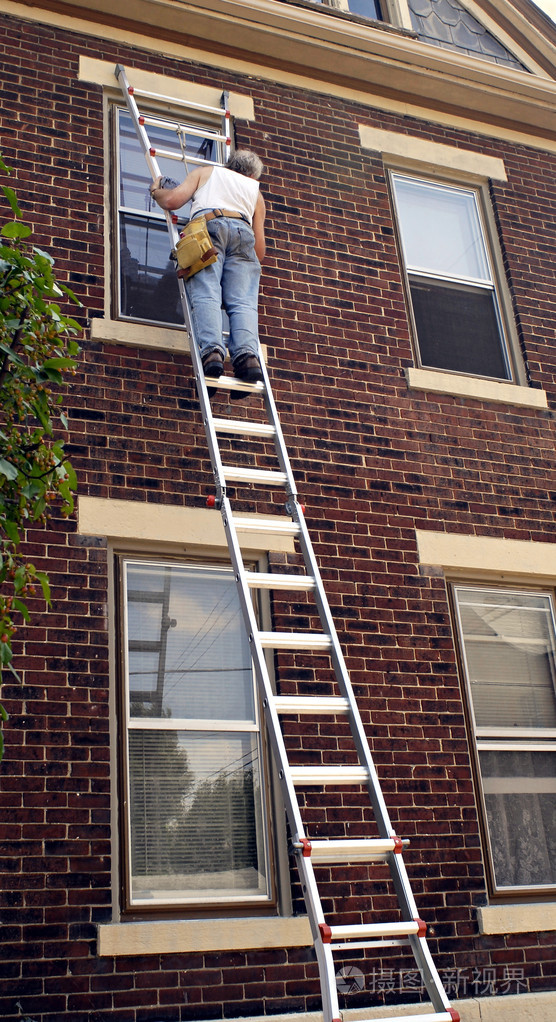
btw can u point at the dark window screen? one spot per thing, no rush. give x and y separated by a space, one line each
458 329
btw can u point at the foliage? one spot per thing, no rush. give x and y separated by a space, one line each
36 349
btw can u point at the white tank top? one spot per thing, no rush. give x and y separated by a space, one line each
226 189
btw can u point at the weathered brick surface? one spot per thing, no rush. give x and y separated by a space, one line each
373 461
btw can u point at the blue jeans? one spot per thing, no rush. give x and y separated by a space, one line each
232 283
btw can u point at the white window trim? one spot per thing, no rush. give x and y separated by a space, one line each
188 902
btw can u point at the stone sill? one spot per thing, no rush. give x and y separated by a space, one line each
477 389
183 936
519 918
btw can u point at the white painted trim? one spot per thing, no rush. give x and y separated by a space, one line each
119 331
475 388
432 154
186 527
180 90
479 554
519 918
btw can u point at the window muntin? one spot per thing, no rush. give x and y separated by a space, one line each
147 287
451 281
508 643
195 830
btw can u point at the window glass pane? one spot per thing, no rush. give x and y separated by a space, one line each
440 229
520 797
148 281
134 175
188 654
508 641
196 814
458 328
196 819
365 8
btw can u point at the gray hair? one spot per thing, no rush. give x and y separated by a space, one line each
243 161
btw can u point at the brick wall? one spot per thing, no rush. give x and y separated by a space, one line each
372 460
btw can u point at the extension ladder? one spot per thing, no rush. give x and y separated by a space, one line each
388 847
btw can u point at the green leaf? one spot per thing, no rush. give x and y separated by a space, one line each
8 470
15 229
59 363
4 166
5 653
19 578
43 579
72 477
41 255
11 531
12 199
22 608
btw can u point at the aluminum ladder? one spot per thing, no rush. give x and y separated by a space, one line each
309 853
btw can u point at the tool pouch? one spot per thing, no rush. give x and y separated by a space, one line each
194 250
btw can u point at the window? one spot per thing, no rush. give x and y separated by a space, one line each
193 794
455 307
508 644
147 287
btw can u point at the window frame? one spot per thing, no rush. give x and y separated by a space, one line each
498 739
277 889
509 346
183 115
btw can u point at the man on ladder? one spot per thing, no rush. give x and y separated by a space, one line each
229 200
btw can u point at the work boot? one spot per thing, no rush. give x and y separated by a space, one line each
213 364
248 368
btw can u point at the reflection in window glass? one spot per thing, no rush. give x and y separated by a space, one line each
441 230
508 648
366 8
196 827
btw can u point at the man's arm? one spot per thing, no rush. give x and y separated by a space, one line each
258 228
173 198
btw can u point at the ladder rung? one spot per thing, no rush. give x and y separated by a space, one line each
243 427
406 928
295 640
172 101
276 527
311 704
237 473
329 775
181 129
231 383
352 850
270 580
